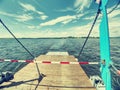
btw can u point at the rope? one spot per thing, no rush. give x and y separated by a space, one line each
40 75
114 7
16 38
23 47
46 62
98 12
115 70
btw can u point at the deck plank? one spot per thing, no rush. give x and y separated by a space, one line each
57 76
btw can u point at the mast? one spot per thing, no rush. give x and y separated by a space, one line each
105 47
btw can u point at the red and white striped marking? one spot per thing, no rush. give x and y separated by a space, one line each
47 62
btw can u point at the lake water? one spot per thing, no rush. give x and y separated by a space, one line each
10 49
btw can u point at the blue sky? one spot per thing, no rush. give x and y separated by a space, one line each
54 18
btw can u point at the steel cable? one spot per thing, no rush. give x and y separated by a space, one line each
98 12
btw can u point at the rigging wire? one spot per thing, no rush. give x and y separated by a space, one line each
24 48
114 7
16 39
98 12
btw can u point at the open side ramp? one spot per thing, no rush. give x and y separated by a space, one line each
54 76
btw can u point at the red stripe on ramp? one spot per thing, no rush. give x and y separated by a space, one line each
14 60
64 62
83 63
29 61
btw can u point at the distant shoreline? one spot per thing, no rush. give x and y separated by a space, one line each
56 38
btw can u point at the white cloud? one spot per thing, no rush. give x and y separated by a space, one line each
114 27
82 4
114 13
77 31
90 18
24 17
48 33
7 14
65 10
63 19
77 3
31 27
66 21
4 32
41 13
43 17
28 7
79 15
82 31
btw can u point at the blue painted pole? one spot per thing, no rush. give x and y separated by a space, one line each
105 47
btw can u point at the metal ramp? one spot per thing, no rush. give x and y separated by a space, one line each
55 76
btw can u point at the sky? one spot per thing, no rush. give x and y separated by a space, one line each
55 18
